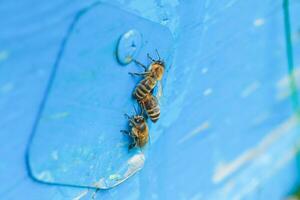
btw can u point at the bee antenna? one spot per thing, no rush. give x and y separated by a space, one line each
127 116
157 54
141 110
148 55
135 110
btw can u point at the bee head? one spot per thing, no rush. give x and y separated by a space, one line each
160 63
139 119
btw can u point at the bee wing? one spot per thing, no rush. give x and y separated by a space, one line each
155 100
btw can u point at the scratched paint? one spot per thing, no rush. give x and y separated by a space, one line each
276 157
223 170
250 89
198 130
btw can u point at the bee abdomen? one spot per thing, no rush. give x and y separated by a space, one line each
144 87
154 113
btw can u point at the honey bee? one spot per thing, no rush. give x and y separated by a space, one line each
151 77
150 104
139 130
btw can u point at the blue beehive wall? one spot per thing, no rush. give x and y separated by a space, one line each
228 128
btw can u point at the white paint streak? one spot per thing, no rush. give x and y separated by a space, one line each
159 90
45 176
60 115
100 184
81 195
287 157
202 127
254 183
261 118
114 176
283 85
250 89
134 164
259 22
227 188
207 92
224 170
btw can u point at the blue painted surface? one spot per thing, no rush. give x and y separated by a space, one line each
77 139
227 129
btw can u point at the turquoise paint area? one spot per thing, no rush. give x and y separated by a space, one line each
227 128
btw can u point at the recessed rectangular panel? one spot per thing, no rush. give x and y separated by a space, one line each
77 139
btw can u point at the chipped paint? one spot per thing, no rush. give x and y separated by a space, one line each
81 195
201 128
45 175
250 89
114 176
100 184
207 92
134 164
3 55
54 155
223 170
7 87
261 118
60 115
259 22
204 70
228 187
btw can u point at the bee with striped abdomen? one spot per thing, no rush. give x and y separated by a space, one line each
139 130
150 105
151 77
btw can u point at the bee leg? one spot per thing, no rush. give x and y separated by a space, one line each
140 64
125 132
133 122
148 55
139 74
132 145
142 108
127 116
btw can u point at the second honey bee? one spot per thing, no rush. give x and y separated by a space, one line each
150 104
139 131
151 77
